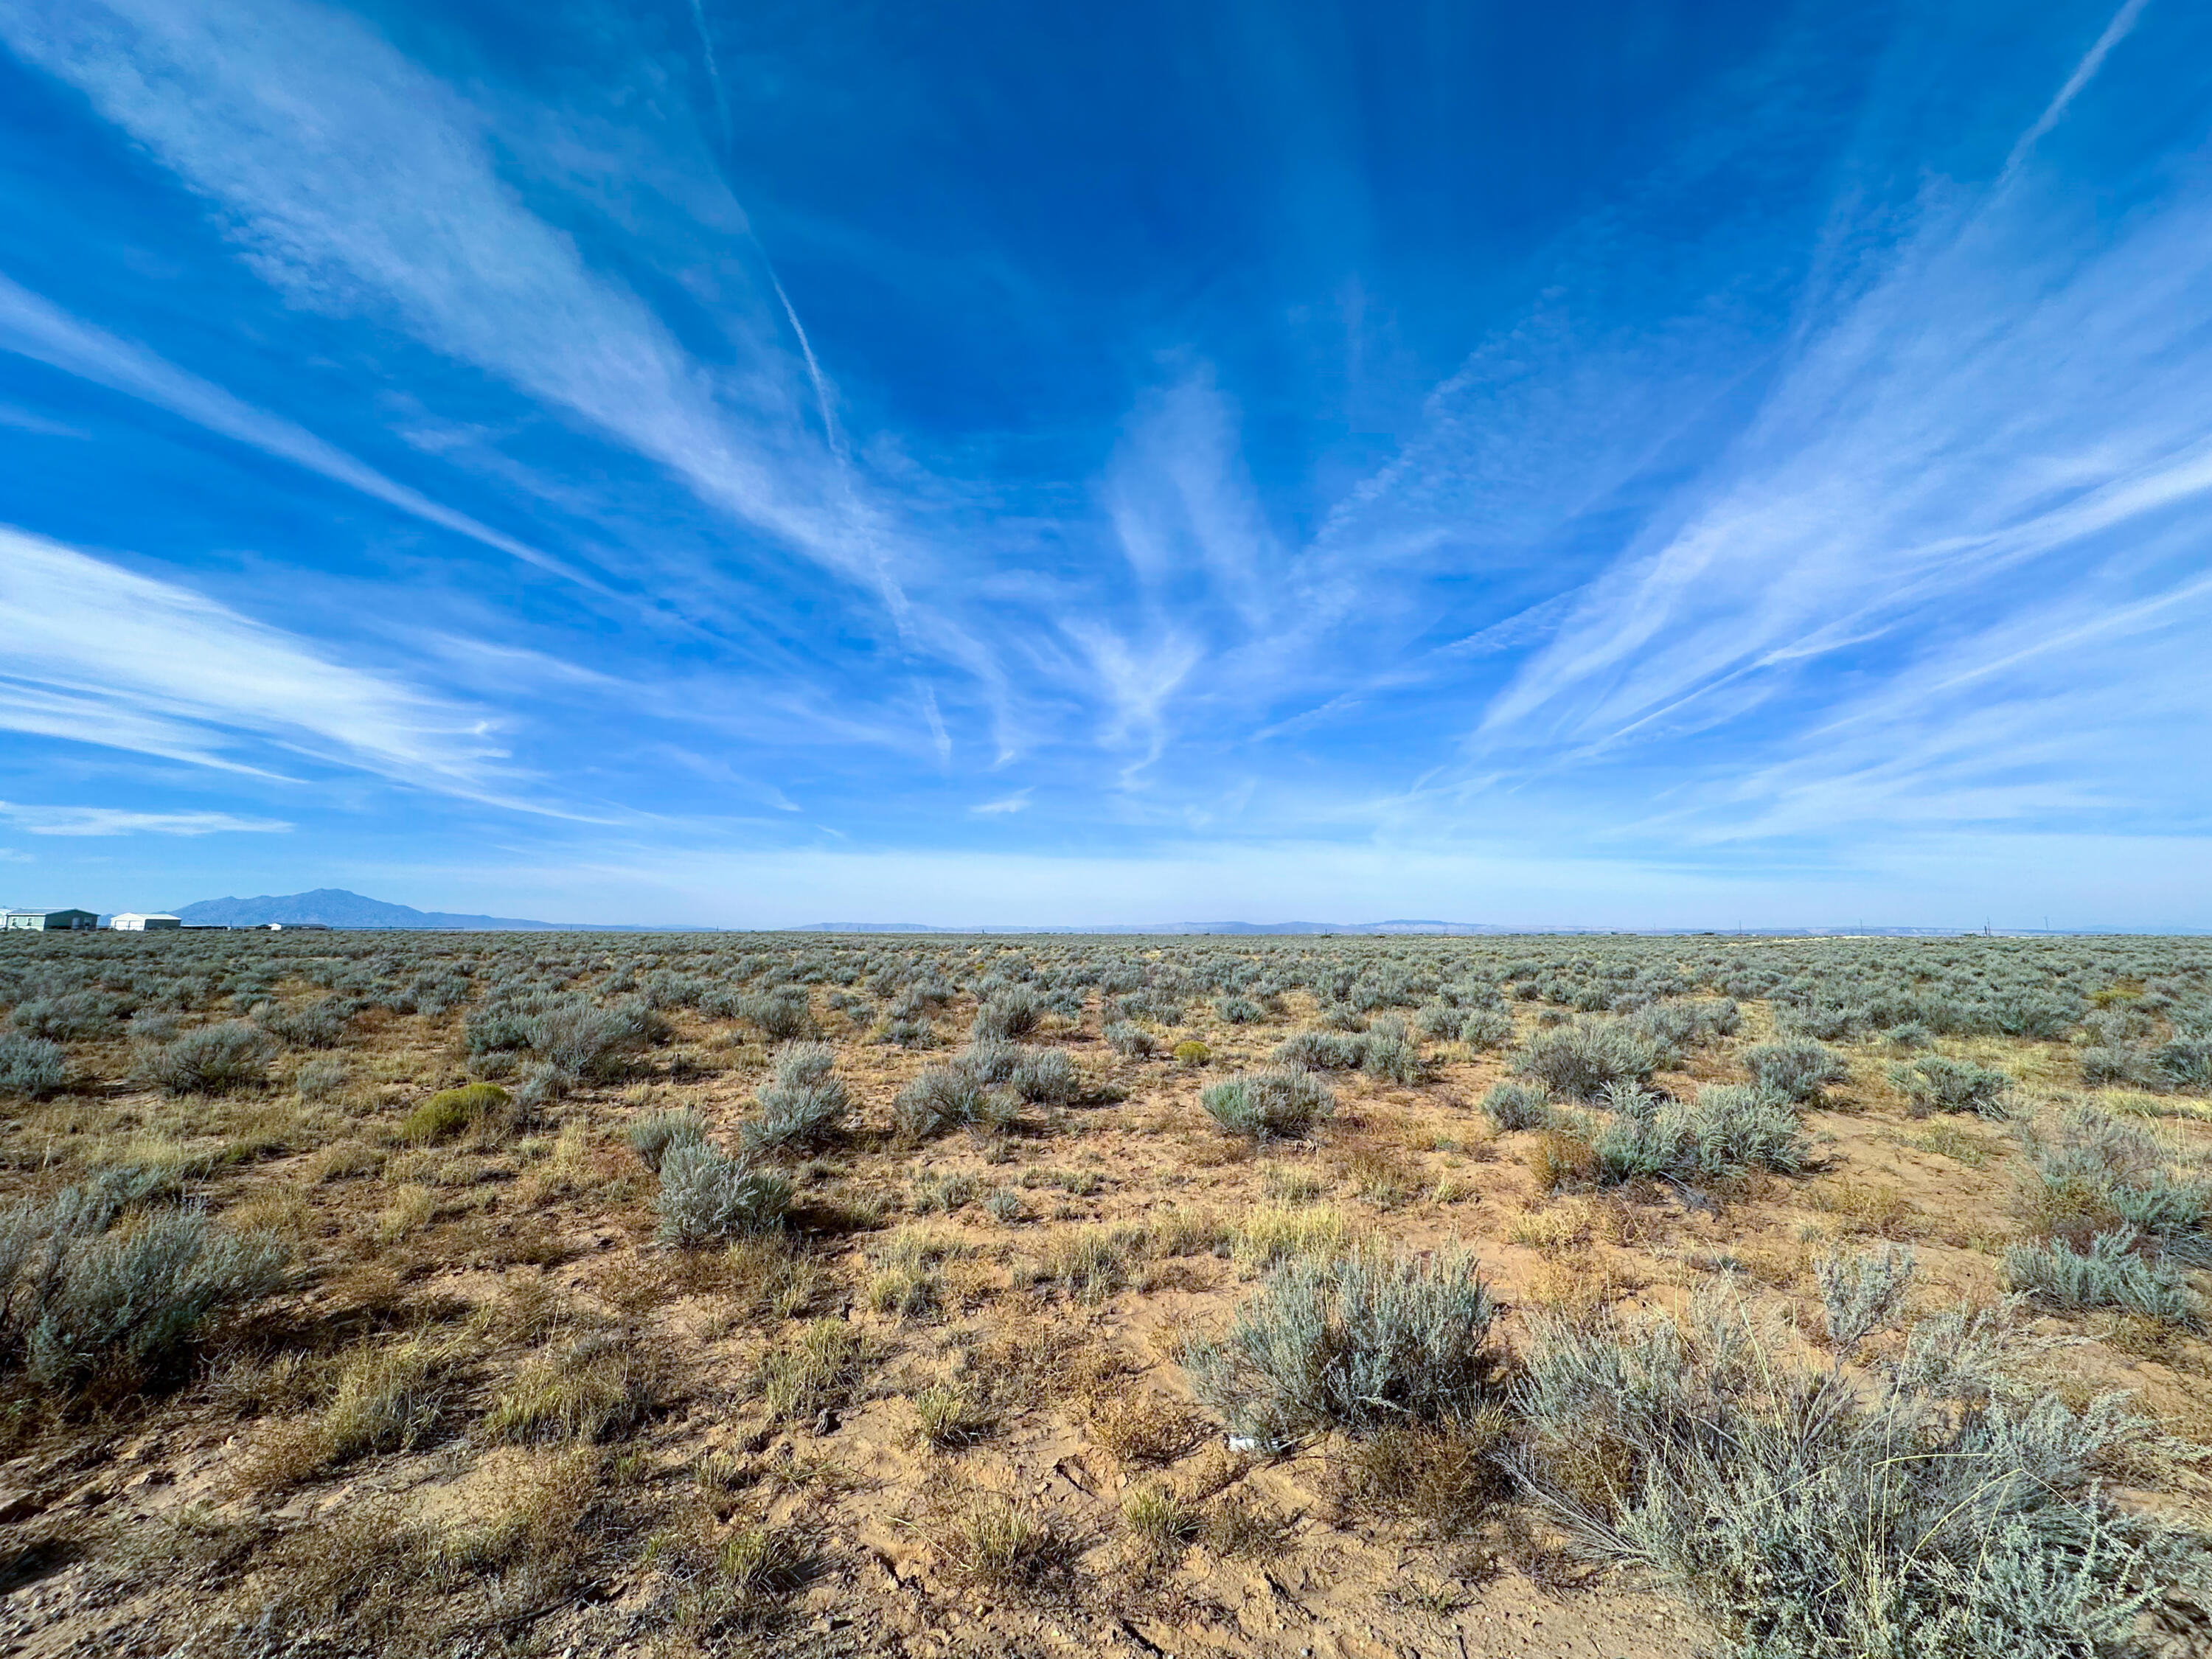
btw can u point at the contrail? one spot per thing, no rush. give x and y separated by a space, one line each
894 596
714 69
2115 32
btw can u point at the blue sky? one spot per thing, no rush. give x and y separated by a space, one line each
1640 464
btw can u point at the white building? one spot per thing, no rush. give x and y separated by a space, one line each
134 921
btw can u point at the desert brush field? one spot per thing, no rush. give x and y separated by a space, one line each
564 1294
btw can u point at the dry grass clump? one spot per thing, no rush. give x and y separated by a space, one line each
1143 1430
585 1388
1268 1235
817 1370
1158 1523
908 1279
948 1416
1867 1207
384 1395
1441 1479
997 1541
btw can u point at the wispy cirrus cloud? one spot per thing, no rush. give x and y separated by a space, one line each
125 661
2015 389
123 820
32 326
359 182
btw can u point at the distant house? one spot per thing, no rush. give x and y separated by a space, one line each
135 921
294 926
47 921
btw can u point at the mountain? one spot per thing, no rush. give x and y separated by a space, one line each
336 908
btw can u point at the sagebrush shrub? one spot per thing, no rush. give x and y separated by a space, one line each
1131 1042
307 1025
211 1060
1578 1060
944 1098
1518 1106
1391 1052
1323 1051
1935 1083
1778 1499
1012 1013
2089 1173
1283 1101
779 1015
656 1134
1796 1068
707 1195
2108 1273
1361 1341
77 1300
1486 1028
1861 1293
583 1040
1726 1129
321 1079
35 1067
803 1106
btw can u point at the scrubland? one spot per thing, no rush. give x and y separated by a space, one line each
492 1294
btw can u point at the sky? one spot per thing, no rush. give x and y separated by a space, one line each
1625 464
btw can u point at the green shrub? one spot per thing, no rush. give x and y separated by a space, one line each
1391 1052
77 1300
1486 1028
1727 1129
1578 1060
946 1098
1934 1083
656 1134
1013 1012
2107 1274
707 1195
1861 1293
36 1066
1192 1053
803 1107
451 1111
1516 1106
1323 1051
1362 1342
1283 1102
1129 1041
1796 1068
1931 1508
211 1060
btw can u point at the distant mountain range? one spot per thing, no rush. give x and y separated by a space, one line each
333 907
